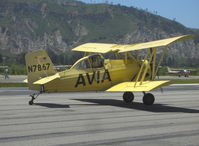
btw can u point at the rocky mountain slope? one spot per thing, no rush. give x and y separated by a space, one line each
60 25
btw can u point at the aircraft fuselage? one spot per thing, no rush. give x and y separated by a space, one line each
113 72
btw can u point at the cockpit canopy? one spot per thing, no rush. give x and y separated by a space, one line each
92 61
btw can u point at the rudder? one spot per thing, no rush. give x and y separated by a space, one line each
38 65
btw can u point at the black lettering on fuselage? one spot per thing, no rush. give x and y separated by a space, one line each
106 76
38 67
90 79
95 75
29 68
80 81
98 77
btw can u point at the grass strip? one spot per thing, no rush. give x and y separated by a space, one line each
187 81
183 81
13 85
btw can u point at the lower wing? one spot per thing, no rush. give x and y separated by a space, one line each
137 86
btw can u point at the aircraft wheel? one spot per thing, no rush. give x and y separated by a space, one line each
128 97
31 102
148 99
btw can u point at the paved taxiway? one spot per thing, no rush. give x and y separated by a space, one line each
100 118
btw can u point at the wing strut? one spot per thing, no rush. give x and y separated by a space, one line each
160 61
141 69
150 62
154 51
151 56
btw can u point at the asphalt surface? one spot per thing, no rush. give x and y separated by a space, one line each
100 118
13 79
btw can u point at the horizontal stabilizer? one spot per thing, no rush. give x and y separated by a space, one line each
145 86
46 79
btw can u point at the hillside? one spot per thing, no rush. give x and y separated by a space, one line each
60 25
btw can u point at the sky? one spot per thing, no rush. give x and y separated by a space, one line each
184 11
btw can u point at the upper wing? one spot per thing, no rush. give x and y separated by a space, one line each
158 43
105 48
95 48
145 86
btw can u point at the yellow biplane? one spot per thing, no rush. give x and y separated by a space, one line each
125 73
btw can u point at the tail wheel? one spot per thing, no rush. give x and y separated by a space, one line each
148 99
31 102
128 97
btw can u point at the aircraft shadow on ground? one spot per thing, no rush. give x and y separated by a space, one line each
52 105
119 103
140 106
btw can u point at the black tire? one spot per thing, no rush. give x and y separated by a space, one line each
31 102
148 99
128 97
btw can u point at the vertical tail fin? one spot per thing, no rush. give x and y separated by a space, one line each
38 65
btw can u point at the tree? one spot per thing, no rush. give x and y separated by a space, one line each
21 58
1 58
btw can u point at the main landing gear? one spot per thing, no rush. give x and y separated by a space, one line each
33 97
128 97
148 98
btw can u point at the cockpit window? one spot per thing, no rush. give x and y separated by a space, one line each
93 61
83 64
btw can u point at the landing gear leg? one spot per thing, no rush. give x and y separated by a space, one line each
128 97
33 96
148 98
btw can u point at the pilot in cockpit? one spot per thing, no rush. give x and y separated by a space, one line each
96 61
